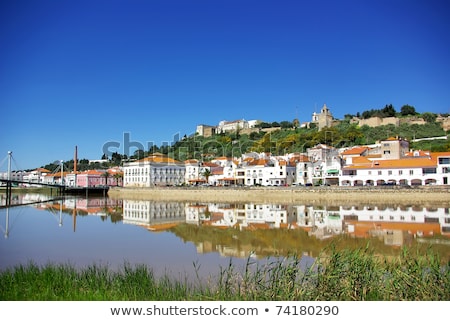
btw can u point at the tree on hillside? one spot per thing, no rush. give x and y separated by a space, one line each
275 124
407 110
388 111
263 125
286 124
429 117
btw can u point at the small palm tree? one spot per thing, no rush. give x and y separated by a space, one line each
206 174
105 175
118 176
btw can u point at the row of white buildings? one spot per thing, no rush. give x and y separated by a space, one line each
393 224
389 162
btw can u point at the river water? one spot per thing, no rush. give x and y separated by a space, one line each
191 240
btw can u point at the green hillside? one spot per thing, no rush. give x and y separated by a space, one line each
280 138
288 140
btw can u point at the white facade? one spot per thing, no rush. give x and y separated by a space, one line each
431 169
156 170
269 174
304 172
230 126
325 165
321 165
15 175
193 172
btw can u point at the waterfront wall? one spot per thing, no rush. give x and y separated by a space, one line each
426 196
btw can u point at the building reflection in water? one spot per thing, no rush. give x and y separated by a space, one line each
393 225
153 215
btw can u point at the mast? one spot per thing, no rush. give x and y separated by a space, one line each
75 160
62 171
9 165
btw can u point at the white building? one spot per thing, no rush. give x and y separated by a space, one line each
15 175
193 172
303 169
154 170
326 164
267 171
35 176
224 174
409 168
231 126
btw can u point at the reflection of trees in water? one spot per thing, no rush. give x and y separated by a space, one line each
274 242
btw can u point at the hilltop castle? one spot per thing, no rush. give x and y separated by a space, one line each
322 120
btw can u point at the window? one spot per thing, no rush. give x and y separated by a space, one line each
389 172
429 170
411 172
444 160
386 152
400 172
379 172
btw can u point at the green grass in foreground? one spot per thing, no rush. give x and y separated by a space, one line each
338 275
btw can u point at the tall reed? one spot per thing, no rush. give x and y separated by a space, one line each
349 274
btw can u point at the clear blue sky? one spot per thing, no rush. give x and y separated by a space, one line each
86 72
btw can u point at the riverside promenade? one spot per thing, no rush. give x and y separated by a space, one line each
429 196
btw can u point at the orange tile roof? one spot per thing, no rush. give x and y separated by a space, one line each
210 164
421 153
91 172
435 155
390 139
365 163
114 170
158 158
374 155
191 161
57 174
258 162
355 151
361 160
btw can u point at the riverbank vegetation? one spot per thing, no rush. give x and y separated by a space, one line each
350 274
